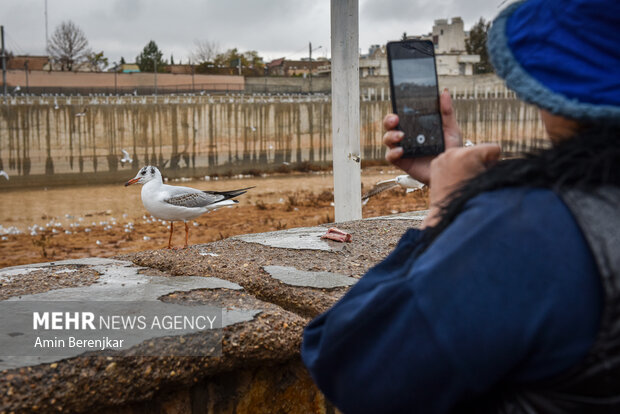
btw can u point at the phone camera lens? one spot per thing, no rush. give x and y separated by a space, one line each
420 138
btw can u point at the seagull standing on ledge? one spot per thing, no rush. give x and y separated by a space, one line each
175 203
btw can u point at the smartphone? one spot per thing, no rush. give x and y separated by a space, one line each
415 96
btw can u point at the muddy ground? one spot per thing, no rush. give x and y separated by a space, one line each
107 221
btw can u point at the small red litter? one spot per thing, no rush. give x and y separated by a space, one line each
337 235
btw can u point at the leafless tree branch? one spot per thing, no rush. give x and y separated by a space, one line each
205 51
68 45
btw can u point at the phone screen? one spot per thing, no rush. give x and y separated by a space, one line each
415 97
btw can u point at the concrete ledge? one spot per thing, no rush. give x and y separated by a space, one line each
259 368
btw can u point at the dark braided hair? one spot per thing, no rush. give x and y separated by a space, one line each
590 159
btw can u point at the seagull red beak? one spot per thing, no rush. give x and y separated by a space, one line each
132 181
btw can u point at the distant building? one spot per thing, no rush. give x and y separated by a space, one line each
129 68
449 36
456 63
284 67
450 54
33 62
276 67
83 65
42 63
182 69
374 63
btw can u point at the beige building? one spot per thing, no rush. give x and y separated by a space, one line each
450 54
449 36
374 63
452 64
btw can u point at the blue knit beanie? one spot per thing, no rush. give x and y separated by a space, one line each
561 55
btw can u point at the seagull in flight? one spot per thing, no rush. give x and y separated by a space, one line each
404 181
126 158
176 203
4 174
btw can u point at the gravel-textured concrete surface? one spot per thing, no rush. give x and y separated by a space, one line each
17 282
101 379
243 262
235 278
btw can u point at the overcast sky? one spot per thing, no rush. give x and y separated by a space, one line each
274 28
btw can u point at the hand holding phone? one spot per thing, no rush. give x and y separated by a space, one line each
419 168
415 97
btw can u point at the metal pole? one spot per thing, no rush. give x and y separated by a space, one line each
27 83
115 73
3 61
155 71
190 62
47 42
310 64
346 109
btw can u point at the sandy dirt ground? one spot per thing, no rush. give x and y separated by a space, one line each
105 221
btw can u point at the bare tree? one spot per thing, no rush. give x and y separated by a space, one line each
68 45
205 51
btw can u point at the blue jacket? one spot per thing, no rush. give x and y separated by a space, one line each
509 292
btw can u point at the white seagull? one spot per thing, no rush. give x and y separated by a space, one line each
404 181
175 203
126 158
4 174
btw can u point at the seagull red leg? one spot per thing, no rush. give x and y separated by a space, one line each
170 238
186 235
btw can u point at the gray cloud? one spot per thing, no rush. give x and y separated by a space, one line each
127 9
274 28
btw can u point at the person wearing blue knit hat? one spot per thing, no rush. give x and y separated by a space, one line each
507 299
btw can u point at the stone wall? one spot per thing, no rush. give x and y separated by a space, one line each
49 138
463 85
98 82
143 83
